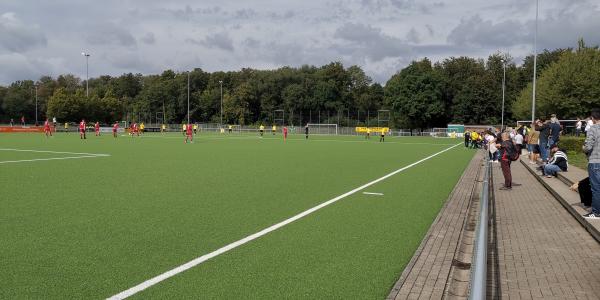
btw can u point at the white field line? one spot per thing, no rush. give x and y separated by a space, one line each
296 140
192 263
375 194
54 152
52 158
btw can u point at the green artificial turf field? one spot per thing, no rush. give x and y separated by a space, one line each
94 226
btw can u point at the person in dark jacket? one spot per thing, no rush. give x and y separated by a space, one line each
555 130
544 129
584 188
467 139
558 163
506 150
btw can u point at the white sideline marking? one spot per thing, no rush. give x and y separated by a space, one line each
52 158
376 194
196 261
55 152
280 139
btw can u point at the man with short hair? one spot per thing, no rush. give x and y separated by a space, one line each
306 130
507 148
47 130
591 148
555 130
544 128
578 127
532 146
82 130
115 129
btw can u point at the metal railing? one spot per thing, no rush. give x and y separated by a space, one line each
479 270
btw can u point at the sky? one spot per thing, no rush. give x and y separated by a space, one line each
40 37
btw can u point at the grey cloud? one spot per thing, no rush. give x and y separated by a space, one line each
245 13
217 40
148 38
430 29
476 32
370 42
189 13
15 36
110 34
413 36
251 43
558 29
16 66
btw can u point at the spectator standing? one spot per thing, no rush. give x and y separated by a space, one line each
578 127
519 141
23 120
507 148
591 148
555 130
558 163
492 149
588 124
12 122
544 128
532 145
467 138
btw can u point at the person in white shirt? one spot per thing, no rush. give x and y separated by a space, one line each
588 125
578 127
519 142
492 150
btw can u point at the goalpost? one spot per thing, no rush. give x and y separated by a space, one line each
325 129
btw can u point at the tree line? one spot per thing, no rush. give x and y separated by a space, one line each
460 90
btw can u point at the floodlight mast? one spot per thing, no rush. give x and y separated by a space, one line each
221 83
503 91
87 74
534 62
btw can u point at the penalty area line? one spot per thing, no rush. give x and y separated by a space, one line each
53 152
52 158
192 263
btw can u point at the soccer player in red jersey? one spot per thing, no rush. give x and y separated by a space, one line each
115 129
285 131
47 130
97 128
82 129
189 134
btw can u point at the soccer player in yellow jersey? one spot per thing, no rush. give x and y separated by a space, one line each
273 129
382 138
368 136
163 128
66 127
230 128
474 139
142 127
195 128
183 129
262 130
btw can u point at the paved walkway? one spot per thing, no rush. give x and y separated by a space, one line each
427 274
543 252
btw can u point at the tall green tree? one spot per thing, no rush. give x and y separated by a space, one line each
417 95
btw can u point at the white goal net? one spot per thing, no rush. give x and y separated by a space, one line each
440 132
329 129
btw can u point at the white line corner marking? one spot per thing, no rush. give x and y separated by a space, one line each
79 155
196 261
